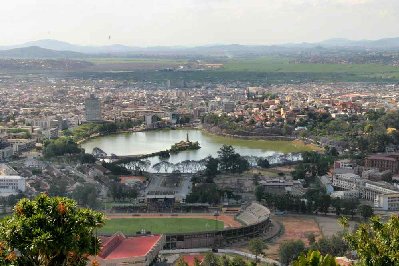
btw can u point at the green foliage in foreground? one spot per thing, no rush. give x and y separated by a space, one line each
376 243
314 258
160 225
50 231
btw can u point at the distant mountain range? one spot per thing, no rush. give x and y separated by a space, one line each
32 52
49 48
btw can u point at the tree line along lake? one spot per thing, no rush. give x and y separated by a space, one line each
137 143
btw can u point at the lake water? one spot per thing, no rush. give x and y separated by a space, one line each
152 141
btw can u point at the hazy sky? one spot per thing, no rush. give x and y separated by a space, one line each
195 22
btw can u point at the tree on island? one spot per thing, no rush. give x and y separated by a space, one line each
51 231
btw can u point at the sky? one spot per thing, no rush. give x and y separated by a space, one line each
196 22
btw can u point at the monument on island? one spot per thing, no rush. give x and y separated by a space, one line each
185 145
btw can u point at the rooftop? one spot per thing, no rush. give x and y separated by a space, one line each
118 246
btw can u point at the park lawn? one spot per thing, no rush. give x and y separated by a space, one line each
160 225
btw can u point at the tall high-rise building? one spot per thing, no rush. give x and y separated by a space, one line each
92 109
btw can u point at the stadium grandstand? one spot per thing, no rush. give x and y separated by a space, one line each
253 213
255 219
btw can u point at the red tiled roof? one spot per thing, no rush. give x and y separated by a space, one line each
137 246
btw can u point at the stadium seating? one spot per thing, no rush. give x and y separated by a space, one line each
253 213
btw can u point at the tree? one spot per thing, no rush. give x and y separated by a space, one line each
334 245
61 146
290 250
204 193
230 161
325 202
256 246
237 261
311 237
314 258
224 261
51 231
366 211
226 153
87 158
211 168
210 260
350 206
86 195
299 171
263 162
376 243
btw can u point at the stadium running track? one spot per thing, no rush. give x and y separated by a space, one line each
229 221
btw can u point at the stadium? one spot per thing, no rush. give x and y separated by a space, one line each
194 230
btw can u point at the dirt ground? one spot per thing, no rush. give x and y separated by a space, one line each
228 221
295 227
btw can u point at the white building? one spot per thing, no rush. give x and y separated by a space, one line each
93 109
11 184
387 202
346 194
366 189
347 181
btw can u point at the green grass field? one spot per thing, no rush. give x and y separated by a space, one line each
160 225
274 64
126 60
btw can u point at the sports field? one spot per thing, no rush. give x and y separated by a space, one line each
160 225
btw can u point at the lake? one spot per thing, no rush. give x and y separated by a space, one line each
152 141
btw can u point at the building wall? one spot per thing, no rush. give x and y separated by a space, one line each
93 109
382 164
11 184
6 153
387 202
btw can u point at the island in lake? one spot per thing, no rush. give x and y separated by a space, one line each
185 145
